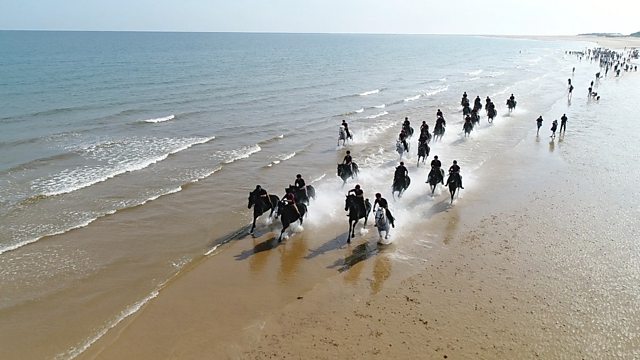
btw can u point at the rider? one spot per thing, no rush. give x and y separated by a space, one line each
401 172
290 199
348 160
385 205
439 114
300 184
437 165
359 196
346 128
403 138
512 98
262 193
477 102
455 169
406 126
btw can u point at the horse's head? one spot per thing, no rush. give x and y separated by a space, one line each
347 201
251 200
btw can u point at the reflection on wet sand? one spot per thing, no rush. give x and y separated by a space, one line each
381 272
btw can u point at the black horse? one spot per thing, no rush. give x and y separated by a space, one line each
423 151
356 212
400 184
434 178
475 118
468 127
408 130
477 106
491 114
511 104
288 215
466 110
345 172
438 132
301 195
260 206
453 182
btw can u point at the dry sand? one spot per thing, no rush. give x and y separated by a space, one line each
603 41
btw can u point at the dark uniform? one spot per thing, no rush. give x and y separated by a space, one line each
385 205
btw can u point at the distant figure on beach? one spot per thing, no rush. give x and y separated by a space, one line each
554 126
382 202
402 137
346 129
573 71
590 91
570 91
563 124
539 121
569 81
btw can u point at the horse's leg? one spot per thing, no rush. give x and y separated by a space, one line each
254 224
349 233
281 232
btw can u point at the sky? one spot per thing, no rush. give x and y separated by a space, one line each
483 17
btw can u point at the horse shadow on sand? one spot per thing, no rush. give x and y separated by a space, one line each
269 244
334 244
359 253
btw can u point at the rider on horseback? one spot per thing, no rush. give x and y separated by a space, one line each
300 184
346 129
290 199
359 197
348 160
512 98
385 205
439 114
403 138
401 173
436 166
263 195
455 169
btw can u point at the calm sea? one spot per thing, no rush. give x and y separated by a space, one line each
94 124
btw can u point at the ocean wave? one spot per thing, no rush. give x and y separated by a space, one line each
436 90
242 153
494 74
413 98
119 161
475 73
443 79
271 140
377 115
474 78
318 178
366 93
87 222
282 158
359 111
161 119
382 106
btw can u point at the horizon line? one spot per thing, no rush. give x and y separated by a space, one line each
293 33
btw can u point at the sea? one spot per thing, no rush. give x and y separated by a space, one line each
125 156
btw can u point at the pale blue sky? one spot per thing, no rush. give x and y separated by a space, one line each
532 17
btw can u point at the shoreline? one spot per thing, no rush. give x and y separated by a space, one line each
603 41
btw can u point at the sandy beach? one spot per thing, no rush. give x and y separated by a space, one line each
540 263
603 41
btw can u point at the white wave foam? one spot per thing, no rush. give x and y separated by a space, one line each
318 178
75 351
412 98
380 106
377 115
242 153
443 80
475 73
436 91
370 92
70 180
288 156
359 111
282 158
161 119
495 74
474 78
210 251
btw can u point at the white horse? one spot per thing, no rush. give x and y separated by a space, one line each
342 135
382 223
400 148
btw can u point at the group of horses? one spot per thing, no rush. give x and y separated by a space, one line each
286 212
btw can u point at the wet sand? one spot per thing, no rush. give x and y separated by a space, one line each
541 262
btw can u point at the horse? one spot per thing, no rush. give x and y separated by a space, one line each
475 118
260 206
382 223
342 135
356 213
288 215
438 132
408 130
491 114
477 106
468 127
400 148
464 102
423 151
345 172
400 185
301 195
466 110
511 104
453 182
434 178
